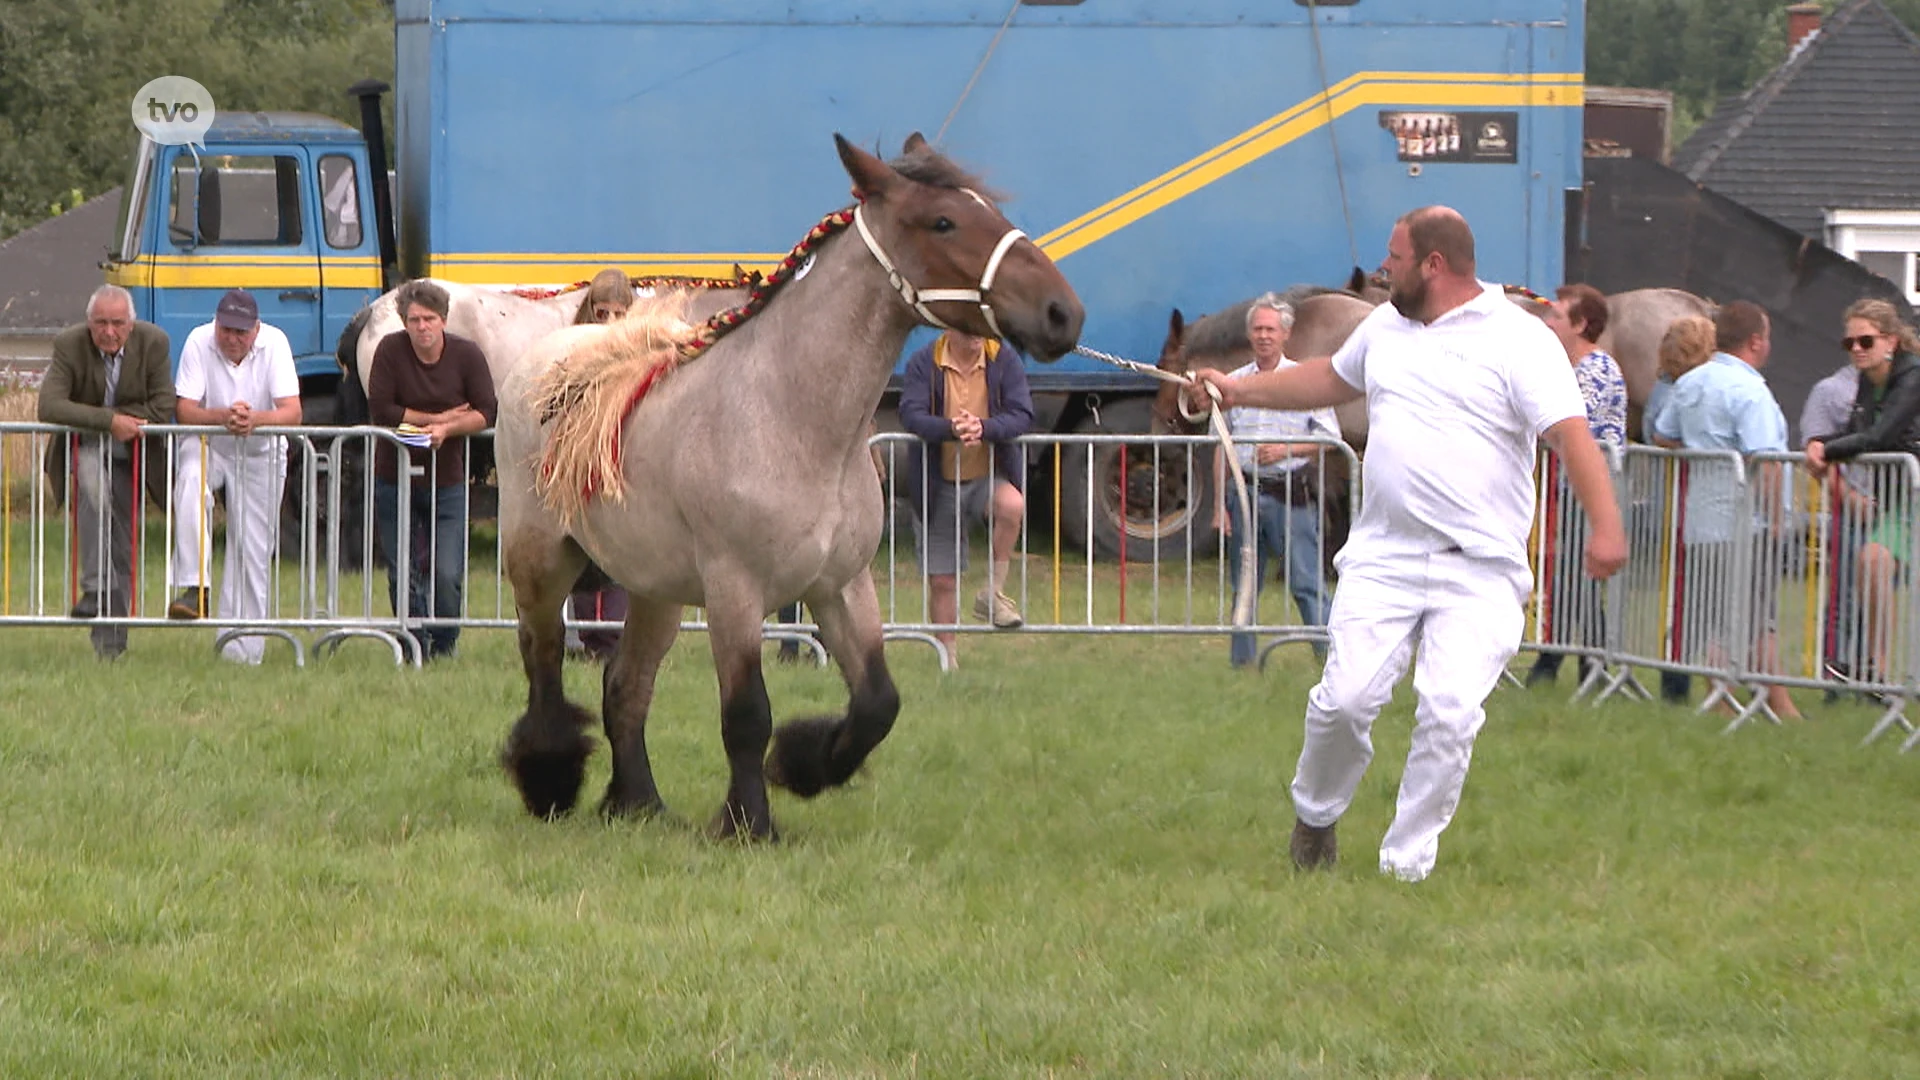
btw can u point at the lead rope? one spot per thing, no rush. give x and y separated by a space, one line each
1244 595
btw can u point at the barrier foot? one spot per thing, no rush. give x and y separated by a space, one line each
299 651
1509 678
1912 741
1896 714
939 647
329 643
802 639
1267 649
1620 681
1756 707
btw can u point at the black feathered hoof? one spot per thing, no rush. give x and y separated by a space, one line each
731 824
547 759
624 809
801 757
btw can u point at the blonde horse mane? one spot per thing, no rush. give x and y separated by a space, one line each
584 399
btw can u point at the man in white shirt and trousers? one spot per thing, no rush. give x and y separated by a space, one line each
1460 384
230 368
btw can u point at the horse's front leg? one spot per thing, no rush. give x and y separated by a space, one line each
814 753
626 699
746 720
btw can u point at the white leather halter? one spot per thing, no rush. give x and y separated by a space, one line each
918 299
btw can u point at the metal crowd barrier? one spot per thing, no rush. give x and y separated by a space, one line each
1745 572
124 566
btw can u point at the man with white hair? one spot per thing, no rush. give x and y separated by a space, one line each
236 372
1460 387
1284 476
110 376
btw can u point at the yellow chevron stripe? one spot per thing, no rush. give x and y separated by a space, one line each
1417 89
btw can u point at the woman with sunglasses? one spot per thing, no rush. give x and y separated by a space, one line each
1885 418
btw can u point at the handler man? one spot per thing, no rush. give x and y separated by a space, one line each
1459 384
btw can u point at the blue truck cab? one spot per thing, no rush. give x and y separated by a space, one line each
274 203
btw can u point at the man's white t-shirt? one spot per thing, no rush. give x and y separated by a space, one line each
207 378
1454 411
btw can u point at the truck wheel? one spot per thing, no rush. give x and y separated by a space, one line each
1167 515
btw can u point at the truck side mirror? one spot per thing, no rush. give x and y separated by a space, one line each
206 203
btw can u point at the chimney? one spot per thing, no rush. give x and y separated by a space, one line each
1802 21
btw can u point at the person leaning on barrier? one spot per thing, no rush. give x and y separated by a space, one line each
438 381
608 297
1885 418
1725 404
1687 343
1460 385
1828 405
1578 316
227 368
110 375
968 397
1284 477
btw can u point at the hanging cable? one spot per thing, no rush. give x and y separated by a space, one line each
978 68
1326 100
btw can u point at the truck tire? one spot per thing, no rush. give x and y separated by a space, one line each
1180 522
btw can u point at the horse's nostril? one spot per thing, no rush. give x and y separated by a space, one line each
1057 316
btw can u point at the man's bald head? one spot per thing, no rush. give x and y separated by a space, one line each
1441 229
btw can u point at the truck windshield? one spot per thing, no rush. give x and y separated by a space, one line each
243 199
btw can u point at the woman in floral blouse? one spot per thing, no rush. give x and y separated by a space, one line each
1578 316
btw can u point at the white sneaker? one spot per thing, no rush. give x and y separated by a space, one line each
998 609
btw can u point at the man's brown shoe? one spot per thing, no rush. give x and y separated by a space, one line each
190 604
1313 848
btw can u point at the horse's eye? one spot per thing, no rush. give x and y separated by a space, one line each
942 225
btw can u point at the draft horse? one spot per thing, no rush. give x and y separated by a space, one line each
743 483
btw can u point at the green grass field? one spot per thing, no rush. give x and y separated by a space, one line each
1069 860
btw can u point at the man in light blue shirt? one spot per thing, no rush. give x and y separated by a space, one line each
1724 404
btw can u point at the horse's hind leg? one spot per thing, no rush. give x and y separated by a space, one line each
626 698
546 752
815 753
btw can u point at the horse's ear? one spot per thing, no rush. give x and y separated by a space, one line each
870 175
915 143
1357 281
1176 325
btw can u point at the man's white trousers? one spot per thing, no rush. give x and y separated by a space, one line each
1466 616
253 483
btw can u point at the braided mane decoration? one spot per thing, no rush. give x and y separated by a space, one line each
584 399
723 323
742 279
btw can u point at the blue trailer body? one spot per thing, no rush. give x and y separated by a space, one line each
1166 152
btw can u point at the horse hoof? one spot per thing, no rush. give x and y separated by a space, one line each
731 824
800 758
613 808
547 759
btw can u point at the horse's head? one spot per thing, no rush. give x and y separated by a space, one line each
953 257
1173 360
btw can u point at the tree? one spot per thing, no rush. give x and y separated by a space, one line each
69 70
